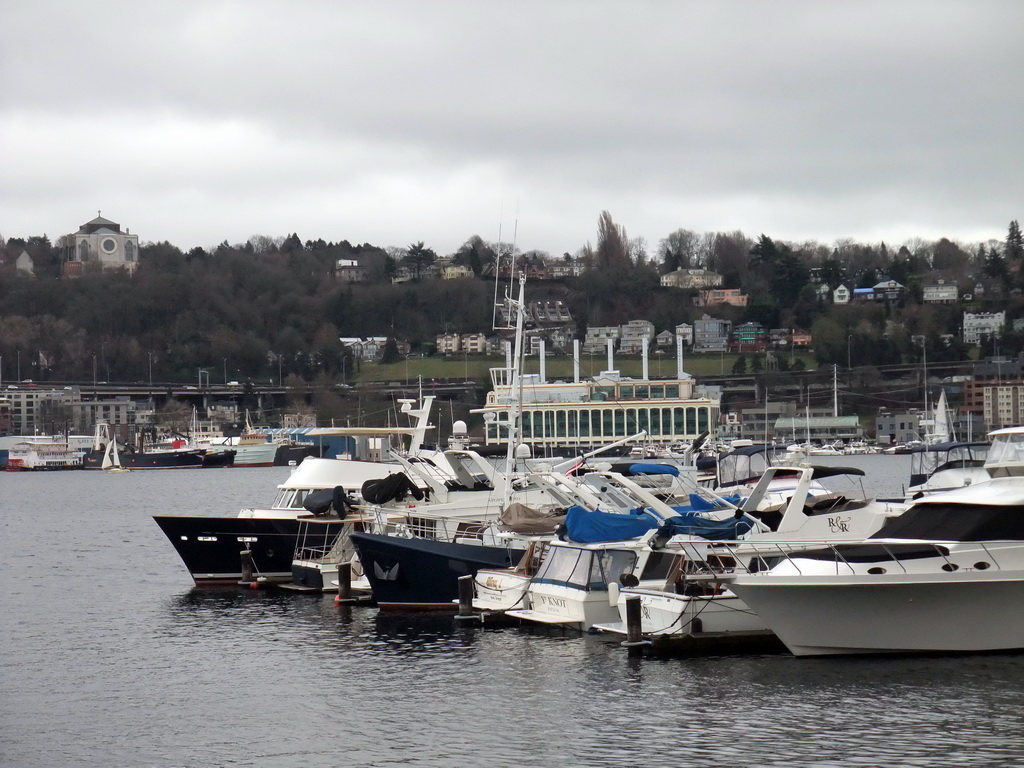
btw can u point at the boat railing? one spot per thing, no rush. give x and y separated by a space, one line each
722 560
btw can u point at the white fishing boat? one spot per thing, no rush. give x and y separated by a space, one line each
252 448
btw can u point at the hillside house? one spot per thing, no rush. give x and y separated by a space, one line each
691 278
710 333
940 292
731 296
981 325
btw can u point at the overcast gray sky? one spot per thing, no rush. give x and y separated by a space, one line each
391 122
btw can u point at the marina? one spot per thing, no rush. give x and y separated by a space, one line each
107 635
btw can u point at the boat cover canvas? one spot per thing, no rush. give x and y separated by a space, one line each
592 527
519 518
700 504
633 469
385 489
323 501
692 524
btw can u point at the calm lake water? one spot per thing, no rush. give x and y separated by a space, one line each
109 657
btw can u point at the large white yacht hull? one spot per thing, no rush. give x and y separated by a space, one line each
891 613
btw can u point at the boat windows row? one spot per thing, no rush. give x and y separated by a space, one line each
675 423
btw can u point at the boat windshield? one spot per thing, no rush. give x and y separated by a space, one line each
291 498
585 568
1006 455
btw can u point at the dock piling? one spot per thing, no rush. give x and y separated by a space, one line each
634 641
344 584
465 598
248 567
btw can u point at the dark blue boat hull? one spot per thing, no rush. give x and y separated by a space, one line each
422 574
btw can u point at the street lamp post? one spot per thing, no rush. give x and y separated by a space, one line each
94 371
924 361
848 340
150 370
225 371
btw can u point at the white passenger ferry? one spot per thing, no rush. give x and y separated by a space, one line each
588 413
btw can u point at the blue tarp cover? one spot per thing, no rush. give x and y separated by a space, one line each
588 527
653 469
690 524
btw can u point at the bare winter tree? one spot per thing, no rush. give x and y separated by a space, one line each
612 252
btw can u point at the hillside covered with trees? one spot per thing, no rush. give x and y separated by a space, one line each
275 306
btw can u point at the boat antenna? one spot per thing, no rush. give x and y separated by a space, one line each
515 390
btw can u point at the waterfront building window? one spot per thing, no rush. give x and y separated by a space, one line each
643 392
595 423
702 419
643 420
604 393
549 424
527 424
691 421
620 423
584 424
655 421
573 419
671 390
657 392
626 393
560 423
666 421
83 251
608 424
679 421
129 250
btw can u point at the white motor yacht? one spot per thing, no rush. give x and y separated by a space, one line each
945 576
681 606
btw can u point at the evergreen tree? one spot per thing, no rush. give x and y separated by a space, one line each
390 353
419 257
1014 243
